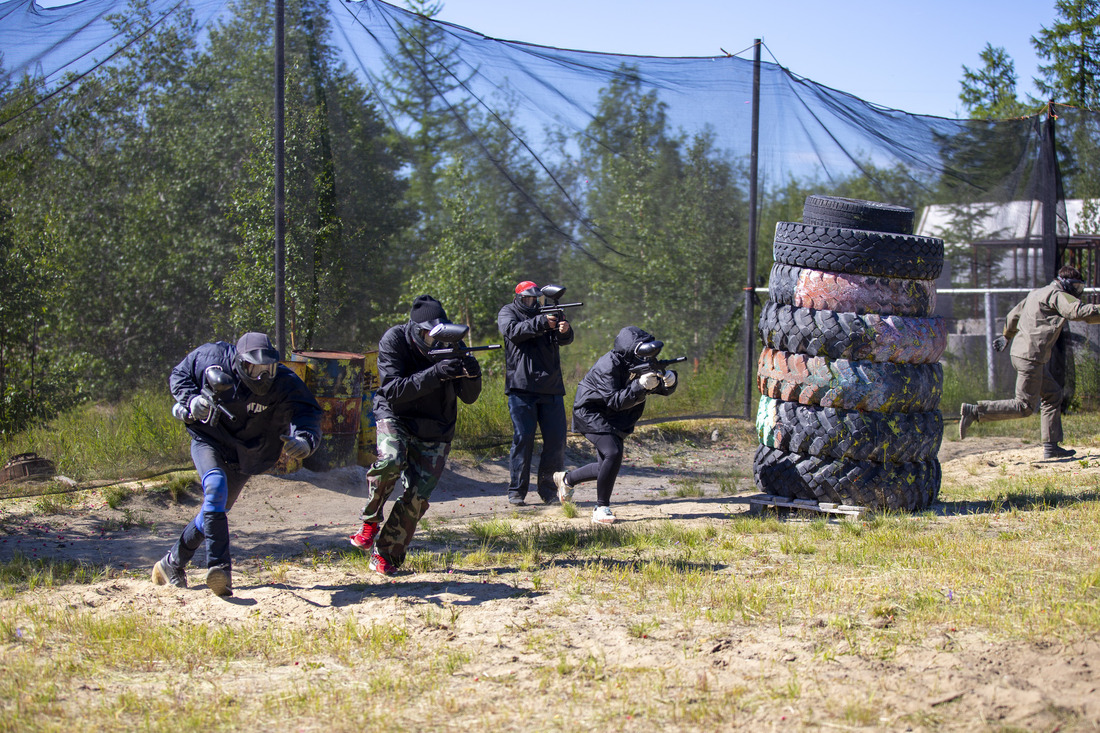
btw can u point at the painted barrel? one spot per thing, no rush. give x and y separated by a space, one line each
367 431
285 464
336 381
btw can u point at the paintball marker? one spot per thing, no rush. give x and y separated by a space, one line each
554 293
648 352
451 334
215 383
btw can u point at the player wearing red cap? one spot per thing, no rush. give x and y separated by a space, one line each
535 388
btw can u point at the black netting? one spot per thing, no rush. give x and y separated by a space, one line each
136 176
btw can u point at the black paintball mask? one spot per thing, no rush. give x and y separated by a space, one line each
423 336
425 315
256 361
1073 286
646 351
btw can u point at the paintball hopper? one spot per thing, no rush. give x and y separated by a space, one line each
447 333
444 338
553 292
649 349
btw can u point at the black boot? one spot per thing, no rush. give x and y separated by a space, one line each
1053 450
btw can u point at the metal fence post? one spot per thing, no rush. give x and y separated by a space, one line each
989 336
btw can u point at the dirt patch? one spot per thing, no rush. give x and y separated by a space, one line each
953 681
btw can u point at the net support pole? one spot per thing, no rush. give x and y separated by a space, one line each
750 264
1049 194
280 182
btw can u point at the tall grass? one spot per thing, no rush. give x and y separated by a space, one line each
486 423
137 436
963 381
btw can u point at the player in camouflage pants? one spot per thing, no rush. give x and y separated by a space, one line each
420 463
420 383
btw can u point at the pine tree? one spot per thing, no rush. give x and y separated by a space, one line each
990 92
1072 46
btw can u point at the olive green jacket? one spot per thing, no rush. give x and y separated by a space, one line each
1034 324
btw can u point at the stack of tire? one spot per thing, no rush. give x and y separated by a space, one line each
848 374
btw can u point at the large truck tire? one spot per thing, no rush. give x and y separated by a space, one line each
910 486
846 335
805 287
858 251
837 211
884 437
849 385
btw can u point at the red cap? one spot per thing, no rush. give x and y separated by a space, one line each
526 285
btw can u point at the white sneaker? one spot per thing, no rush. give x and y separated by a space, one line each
565 491
602 515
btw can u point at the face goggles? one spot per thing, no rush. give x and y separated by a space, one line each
429 340
1077 287
260 371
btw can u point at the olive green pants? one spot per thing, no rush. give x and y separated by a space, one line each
1035 387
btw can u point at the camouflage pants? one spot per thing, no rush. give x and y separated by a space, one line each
418 464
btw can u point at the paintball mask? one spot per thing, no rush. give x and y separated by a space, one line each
255 362
1073 286
426 314
527 296
646 351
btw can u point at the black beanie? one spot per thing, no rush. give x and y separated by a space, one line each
427 309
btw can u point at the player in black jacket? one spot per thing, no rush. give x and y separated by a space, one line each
238 431
415 408
535 388
609 402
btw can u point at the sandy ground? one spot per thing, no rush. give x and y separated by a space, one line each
959 681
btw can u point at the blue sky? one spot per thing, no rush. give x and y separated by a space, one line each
907 56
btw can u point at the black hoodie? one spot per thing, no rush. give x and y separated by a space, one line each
608 400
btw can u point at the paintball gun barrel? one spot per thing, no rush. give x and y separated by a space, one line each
655 365
451 334
553 294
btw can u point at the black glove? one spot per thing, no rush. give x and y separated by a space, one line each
449 369
470 366
1000 343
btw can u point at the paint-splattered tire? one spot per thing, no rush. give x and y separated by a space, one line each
849 385
902 486
836 211
885 437
844 335
858 251
804 287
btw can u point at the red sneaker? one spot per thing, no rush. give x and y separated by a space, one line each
381 565
364 539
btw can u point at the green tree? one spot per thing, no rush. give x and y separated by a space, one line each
423 91
1071 45
343 199
990 91
33 384
670 218
106 206
467 270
